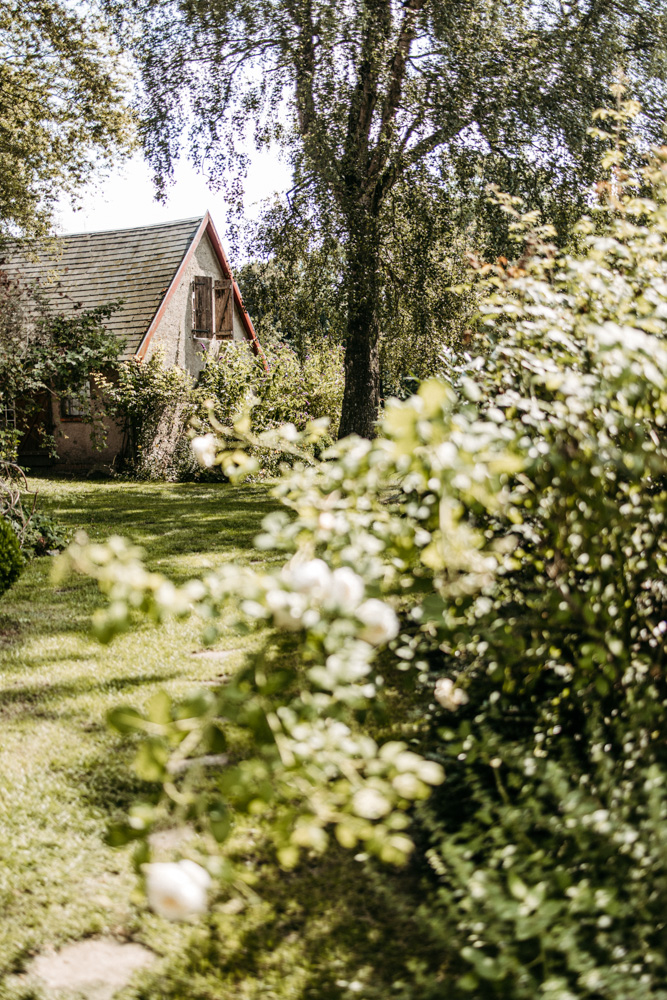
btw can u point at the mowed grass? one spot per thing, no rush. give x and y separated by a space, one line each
63 775
333 929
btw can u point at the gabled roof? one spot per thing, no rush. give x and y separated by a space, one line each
142 266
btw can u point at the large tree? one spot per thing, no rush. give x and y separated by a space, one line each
63 108
294 288
363 93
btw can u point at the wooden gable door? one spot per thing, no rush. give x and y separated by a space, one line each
213 308
223 299
202 307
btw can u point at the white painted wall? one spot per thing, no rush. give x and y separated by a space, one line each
174 332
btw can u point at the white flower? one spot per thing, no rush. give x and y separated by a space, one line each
205 450
381 624
288 432
357 452
369 803
448 696
312 577
349 664
446 455
326 521
347 588
176 890
430 772
287 609
408 786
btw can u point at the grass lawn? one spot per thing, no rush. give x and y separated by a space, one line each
64 776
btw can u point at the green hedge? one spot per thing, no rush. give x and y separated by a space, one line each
11 560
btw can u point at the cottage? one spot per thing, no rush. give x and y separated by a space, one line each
178 294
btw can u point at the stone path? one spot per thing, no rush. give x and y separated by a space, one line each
95 968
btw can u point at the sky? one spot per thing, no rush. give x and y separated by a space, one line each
126 198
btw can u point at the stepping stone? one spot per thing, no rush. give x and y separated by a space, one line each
218 655
95 968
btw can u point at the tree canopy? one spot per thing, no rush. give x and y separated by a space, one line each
363 94
63 111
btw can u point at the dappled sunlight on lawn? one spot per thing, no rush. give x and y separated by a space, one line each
65 774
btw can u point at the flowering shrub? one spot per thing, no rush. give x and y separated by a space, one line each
500 549
314 771
155 405
291 391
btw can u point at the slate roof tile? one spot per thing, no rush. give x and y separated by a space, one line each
135 265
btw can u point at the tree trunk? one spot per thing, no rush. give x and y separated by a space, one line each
361 398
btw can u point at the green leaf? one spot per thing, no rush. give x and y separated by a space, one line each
220 819
194 706
159 708
125 719
150 761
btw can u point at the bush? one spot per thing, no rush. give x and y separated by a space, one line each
153 403
481 592
156 405
11 561
37 533
289 391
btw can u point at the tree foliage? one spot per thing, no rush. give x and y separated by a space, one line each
63 111
11 560
43 351
362 96
295 286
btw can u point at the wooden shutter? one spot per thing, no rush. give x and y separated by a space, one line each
224 309
202 312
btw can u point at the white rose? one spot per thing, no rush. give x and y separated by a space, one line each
369 803
381 624
347 588
205 450
326 521
176 890
285 608
448 696
312 577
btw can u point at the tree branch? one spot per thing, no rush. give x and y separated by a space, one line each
365 94
406 36
394 92
301 12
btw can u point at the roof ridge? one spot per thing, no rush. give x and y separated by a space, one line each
133 229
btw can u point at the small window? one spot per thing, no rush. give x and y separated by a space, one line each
7 415
76 406
213 308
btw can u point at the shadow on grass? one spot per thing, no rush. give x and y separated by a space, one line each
314 931
171 521
173 518
29 699
107 782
